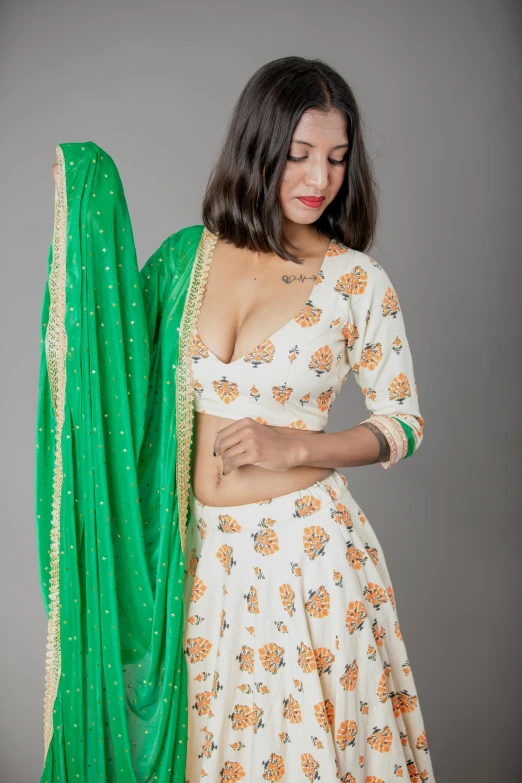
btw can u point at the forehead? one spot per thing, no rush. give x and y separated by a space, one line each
314 126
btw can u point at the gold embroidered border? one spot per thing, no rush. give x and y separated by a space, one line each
394 434
184 380
56 350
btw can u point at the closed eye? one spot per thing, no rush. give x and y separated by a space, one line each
335 162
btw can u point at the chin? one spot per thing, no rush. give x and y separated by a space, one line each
302 220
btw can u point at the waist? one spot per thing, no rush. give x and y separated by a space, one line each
245 483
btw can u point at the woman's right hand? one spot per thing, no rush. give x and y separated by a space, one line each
55 168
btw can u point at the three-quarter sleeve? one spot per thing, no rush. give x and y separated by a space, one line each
380 358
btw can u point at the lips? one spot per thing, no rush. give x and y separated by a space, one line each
311 201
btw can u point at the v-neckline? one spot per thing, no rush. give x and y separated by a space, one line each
205 271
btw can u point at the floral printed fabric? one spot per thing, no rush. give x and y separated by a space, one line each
351 322
297 669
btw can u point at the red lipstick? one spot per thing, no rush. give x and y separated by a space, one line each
311 201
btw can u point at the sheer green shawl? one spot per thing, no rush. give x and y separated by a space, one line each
113 460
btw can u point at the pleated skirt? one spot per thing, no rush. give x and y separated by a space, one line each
297 668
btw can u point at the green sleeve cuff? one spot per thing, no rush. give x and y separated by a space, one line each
409 434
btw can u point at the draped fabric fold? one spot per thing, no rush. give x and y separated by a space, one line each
113 460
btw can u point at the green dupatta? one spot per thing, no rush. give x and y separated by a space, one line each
113 461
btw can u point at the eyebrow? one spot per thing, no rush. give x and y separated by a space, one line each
298 141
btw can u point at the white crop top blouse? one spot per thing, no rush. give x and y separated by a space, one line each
351 322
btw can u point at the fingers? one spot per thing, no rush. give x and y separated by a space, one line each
236 456
231 434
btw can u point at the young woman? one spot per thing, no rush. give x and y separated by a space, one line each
219 605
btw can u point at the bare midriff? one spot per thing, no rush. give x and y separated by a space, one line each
245 483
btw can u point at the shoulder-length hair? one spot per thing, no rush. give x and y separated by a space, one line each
241 201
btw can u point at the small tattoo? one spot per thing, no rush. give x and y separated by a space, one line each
384 446
299 278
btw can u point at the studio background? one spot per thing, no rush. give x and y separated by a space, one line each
439 88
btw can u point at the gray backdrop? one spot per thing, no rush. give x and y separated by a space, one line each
439 87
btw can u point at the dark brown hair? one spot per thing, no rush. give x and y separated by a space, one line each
241 202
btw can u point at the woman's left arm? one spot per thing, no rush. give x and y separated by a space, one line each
379 356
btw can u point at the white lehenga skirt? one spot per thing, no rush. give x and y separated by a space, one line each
297 669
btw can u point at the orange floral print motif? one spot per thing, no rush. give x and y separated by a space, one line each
257 720
203 703
318 603
400 388
209 746
378 633
397 345
198 589
381 739
282 393
350 334
297 425
355 557
403 702
232 772
223 625
373 553
354 282
422 742
246 659
287 598
336 249
266 542
325 399
227 524
355 616
308 315
274 768
412 771
262 354
224 555
342 516
324 659
315 539
346 734
324 713
241 717
293 353
227 391
306 505
390 304
310 766
383 692
198 348
292 710
252 600
271 657
321 361
197 649
371 356
375 595
351 674
306 658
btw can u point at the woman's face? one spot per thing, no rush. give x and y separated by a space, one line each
316 164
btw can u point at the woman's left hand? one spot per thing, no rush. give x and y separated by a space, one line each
247 442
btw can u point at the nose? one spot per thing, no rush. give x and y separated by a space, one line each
316 175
